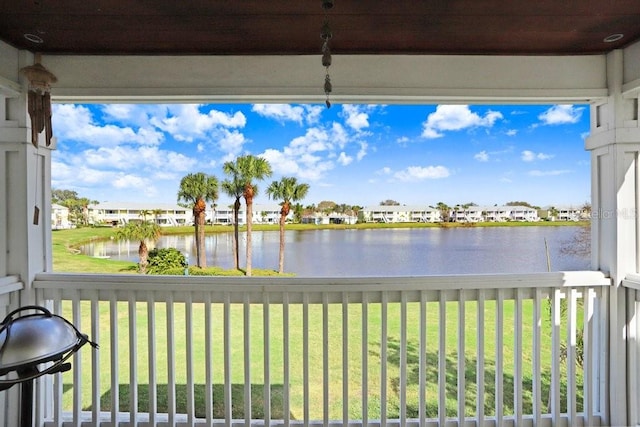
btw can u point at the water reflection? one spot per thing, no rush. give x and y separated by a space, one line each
381 252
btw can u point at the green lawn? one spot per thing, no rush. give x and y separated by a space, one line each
67 260
316 359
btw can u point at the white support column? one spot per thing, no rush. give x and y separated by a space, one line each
615 149
25 184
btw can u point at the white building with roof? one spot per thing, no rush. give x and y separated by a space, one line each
120 213
60 217
400 213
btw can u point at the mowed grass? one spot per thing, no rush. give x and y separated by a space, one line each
335 375
66 259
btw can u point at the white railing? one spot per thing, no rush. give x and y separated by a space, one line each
632 285
183 351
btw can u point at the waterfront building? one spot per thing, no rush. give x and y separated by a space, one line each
60 217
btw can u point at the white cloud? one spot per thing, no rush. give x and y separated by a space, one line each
482 156
384 171
512 132
231 142
344 160
561 114
76 123
187 123
305 166
402 140
549 173
454 118
289 113
419 173
363 150
355 117
530 156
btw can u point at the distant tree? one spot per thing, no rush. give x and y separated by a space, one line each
326 206
78 206
389 202
580 244
444 211
519 203
142 231
298 211
288 190
195 190
60 196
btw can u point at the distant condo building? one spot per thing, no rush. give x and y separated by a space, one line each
168 215
472 214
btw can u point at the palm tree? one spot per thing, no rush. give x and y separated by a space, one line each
444 211
143 231
288 190
234 187
195 190
251 168
156 215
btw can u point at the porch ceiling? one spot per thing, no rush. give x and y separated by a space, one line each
286 27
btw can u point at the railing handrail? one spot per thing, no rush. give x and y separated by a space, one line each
137 282
10 284
632 281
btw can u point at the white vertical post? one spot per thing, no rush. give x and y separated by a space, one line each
227 359
208 355
247 359
614 144
325 357
422 413
95 356
537 334
517 358
499 385
480 358
266 331
115 361
286 383
383 357
171 360
461 360
188 313
133 359
305 357
151 355
442 359
365 358
345 358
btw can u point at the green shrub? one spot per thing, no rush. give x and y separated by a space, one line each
166 261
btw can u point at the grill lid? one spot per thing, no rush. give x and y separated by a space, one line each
32 339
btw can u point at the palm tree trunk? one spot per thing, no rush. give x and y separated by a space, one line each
143 253
249 228
236 243
202 256
281 256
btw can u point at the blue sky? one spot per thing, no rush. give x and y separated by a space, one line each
353 154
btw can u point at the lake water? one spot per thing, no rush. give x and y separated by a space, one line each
382 252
